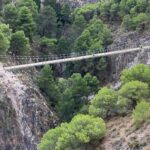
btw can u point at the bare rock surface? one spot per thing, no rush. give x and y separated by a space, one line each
122 135
24 114
127 40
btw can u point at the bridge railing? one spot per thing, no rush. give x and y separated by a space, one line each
9 59
29 59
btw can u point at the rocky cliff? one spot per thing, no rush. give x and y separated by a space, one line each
123 40
24 115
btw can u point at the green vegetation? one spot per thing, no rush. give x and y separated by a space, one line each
108 102
94 37
27 29
47 84
80 29
25 22
133 95
67 95
74 93
56 30
77 134
80 133
47 22
47 45
19 44
139 72
134 91
141 113
87 11
104 103
133 14
10 15
31 5
62 46
5 35
20 19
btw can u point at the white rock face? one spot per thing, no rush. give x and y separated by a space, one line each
31 113
15 91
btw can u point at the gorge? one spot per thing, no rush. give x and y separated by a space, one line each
64 106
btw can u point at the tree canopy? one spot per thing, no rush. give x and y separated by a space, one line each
20 44
5 36
139 72
104 103
94 37
74 135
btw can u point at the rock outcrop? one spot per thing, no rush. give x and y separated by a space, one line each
122 135
127 40
24 114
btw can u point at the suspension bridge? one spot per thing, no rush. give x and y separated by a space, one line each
49 59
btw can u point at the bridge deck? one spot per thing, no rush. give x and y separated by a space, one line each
77 58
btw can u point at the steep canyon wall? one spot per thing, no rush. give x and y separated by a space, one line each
127 40
24 114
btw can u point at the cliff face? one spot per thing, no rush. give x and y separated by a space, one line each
24 115
123 40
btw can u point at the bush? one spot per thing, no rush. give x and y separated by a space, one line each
123 106
50 139
87 10
92 83
104 103
47 45
140 72
5 36
75 135
108 103
141 113
138 21
134 91
20 44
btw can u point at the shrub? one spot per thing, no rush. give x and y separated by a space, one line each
135 22
123 105
141 113
75 135
87 10
20 44
4 44
104 103
92 83
5 36
140 72
50 139
47 45
134 91
47 42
